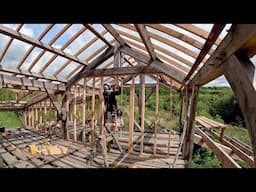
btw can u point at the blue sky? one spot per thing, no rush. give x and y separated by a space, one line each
18 49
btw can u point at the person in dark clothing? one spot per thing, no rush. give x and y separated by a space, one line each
109 94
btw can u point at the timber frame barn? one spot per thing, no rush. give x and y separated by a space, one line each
69 64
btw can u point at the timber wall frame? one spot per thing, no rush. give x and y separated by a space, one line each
126 51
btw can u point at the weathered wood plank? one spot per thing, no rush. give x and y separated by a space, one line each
225 159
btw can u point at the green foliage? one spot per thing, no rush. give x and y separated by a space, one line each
6 94
204 158
238 133
9 120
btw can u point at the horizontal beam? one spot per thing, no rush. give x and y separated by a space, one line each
119 71
31 74
14 34
238 36
17 83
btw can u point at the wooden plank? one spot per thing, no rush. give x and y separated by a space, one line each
131 117
244 74
37 43
24 164
9 159
225 159
235 149
146 40
214 34
142 81
114 33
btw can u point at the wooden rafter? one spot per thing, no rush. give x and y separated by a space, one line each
214 34
9 43
39 44
73 38
238 36
159 48
114 33
97 34
81 50
165 41
197 31
146 40
181 68
41 36
65 28
179 35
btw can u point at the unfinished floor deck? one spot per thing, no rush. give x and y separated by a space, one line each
14 153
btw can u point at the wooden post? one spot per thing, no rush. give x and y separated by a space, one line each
25 118
142 78
36 116
101 107
66 101
33 116
171 118
189 135
156 115
241 75
93 112
131 117
74 115
40 116
83 111
45 115
181 111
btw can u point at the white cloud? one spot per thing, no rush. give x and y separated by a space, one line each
27 31
219 82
